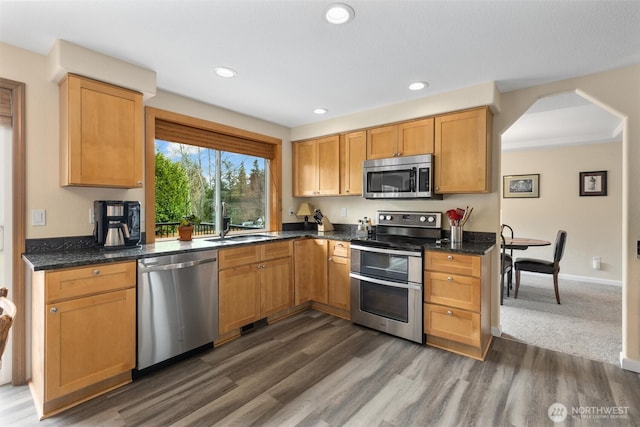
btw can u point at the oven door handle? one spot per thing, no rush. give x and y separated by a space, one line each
416 287
385 251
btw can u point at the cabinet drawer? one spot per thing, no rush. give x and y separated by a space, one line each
241 255
468 265
276 250
339 249
77 282
453 290
453 324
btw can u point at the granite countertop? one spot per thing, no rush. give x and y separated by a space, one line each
79 257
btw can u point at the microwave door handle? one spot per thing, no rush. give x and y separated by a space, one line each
412 180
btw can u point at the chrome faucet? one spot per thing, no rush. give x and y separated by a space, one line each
226 221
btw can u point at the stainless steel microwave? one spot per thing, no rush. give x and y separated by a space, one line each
408 177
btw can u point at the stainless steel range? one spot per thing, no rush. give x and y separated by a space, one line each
386 273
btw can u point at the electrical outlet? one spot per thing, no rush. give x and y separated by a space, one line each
291 213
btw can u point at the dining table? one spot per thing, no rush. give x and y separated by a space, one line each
521 244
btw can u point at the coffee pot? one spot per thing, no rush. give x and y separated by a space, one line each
117 234
117 224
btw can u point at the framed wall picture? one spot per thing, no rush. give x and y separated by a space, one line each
520 186
593 183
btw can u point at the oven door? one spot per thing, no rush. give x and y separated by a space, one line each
386 264
391 307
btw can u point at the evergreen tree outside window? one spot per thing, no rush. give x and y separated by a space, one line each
186 183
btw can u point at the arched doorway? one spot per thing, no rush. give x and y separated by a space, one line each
558 137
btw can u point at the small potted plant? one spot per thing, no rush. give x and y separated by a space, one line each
185 229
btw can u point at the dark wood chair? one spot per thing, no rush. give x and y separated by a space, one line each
7 314
543 266
507 258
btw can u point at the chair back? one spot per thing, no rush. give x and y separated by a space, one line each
7 314
502 233
561 239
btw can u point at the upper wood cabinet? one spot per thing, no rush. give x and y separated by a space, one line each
403 139
353 152
463 152
316 170
101 143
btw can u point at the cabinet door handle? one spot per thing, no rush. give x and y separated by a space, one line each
450 257
450 279
449 313
54 309
96 272
330 259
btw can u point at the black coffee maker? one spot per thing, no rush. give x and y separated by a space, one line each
117 224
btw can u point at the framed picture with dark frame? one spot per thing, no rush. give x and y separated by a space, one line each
593 183
521 186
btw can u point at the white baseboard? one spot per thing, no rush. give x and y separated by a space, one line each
578 278
629 364
496 331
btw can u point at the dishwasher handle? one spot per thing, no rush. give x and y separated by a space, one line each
161 267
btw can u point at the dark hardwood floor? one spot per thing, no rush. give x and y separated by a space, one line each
317 370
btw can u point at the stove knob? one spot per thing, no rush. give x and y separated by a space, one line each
423 218
381 217
388 217
431 219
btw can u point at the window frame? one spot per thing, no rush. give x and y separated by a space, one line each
274 201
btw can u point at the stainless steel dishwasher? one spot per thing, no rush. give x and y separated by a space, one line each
177 306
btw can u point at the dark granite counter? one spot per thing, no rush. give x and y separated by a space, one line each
78 257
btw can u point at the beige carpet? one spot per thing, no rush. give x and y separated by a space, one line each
588 323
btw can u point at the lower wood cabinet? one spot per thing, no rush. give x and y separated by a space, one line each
83 333
322 275
457 302
310 257
338 289
254 282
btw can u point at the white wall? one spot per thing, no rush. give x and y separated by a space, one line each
67 208
618 92
485 210
593 224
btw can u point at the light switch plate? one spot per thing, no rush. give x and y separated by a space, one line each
38 217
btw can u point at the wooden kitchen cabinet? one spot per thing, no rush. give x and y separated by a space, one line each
101 141
311 271
84 332
457 302
353 152
322 275
338 288
462 152
254 281
404 139
316 170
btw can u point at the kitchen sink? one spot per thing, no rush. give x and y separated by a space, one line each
242 238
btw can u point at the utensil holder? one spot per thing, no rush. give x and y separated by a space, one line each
456 234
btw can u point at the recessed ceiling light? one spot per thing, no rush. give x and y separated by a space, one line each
225 72
418 85
320 111
338 13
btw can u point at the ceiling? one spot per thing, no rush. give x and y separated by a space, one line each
290 61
